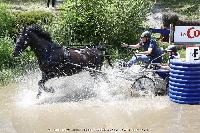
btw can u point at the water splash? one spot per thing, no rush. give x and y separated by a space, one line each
27 98
79 87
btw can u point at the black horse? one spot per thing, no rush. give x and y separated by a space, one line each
55 60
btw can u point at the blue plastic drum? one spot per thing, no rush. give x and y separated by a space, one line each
184 82
188 72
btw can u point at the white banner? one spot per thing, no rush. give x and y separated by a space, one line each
187 34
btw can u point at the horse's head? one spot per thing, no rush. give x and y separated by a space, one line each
28 36
22 42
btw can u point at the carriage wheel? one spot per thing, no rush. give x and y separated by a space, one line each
143 86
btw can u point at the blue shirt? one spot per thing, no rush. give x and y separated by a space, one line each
152 44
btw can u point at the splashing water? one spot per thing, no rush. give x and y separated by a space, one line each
77 87
114 86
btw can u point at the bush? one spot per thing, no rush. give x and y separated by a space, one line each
11 22
6 75
33 17
6 47
100 21
7 21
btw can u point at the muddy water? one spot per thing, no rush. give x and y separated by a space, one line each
84 106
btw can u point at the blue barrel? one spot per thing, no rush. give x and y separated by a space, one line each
184 82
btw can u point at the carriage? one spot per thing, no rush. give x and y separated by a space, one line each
147 79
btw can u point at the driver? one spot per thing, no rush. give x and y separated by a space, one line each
151 51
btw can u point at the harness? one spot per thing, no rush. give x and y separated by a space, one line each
67 60
67 57
49 54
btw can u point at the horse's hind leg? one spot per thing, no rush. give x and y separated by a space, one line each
41 85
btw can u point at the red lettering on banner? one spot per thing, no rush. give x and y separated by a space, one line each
188 33
196 33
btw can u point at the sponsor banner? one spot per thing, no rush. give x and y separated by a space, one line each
187 34
192 54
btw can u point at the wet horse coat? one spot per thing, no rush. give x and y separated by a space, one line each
55 60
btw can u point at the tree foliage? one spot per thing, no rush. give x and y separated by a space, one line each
94 21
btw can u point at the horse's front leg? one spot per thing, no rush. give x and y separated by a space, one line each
41 85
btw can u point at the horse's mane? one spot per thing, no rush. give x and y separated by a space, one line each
40 32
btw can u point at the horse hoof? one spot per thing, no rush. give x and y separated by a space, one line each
38 96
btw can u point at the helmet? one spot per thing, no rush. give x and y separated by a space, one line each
146 34
171 48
